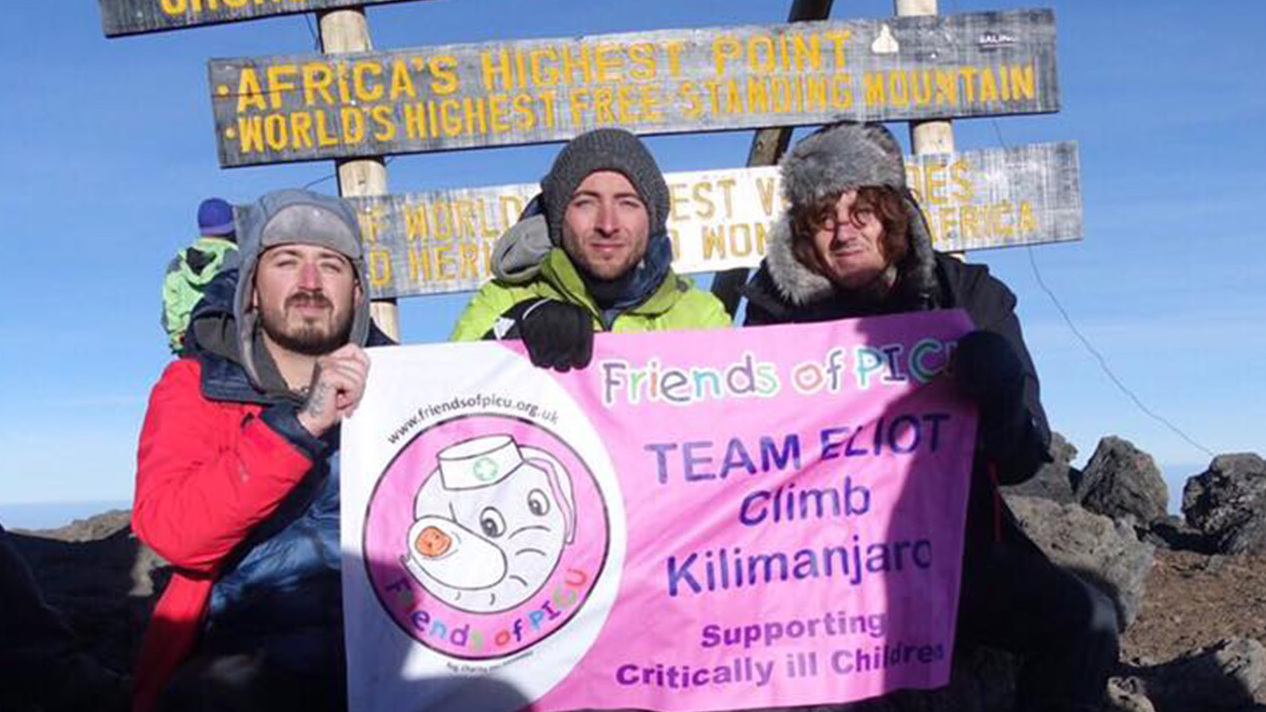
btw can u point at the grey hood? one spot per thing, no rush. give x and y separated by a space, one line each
287 217
518 253
834 159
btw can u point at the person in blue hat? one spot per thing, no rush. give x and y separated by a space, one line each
192 268
215 219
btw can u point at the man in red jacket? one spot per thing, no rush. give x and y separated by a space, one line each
237 479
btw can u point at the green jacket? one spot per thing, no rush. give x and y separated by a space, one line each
186 279
677 304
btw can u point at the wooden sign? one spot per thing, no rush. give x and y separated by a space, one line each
294 108
130 17
441 241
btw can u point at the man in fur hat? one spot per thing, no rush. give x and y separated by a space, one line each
853 243
237 470
591 252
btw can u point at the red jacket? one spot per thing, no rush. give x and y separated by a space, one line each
207 473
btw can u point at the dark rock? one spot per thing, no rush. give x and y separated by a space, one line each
1120 480
1175 534
1122 698
1129 692
1228 503
1104 553
1053 480
982 680
1228 676
101 577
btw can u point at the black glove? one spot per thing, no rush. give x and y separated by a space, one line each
988 370
558 335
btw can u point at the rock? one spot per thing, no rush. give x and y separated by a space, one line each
99 526
1122 697
1104 553
1175 534
1228 676
982 680
1228 503
1122 480
1053 480
101 577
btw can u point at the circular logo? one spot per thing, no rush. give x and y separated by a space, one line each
484 536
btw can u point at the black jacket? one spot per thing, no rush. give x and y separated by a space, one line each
991 306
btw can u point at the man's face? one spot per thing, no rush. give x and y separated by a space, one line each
850 243
306 298
606 226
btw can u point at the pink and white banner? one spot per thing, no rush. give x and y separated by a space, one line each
697 521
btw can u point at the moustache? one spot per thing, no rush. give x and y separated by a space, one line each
309 299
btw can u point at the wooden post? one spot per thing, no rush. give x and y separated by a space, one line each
767 147
347 30
928 136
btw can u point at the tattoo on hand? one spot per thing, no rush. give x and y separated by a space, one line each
316 400
317 394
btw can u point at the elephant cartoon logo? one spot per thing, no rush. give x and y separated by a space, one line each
490 524
487 534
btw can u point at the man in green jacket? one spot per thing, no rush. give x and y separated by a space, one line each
591 252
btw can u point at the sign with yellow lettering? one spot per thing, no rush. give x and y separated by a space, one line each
441 241
294 108
130 17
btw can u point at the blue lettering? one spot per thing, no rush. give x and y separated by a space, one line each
661 451
736 456
758 499
690 461
677 574
831 447
770 453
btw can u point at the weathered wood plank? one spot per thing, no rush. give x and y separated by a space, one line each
440 241
306 107
1000 197
129 17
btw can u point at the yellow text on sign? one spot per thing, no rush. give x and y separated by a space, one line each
184 7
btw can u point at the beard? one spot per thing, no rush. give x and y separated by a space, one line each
307 336
573 245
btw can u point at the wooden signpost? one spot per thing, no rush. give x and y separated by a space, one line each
440 241
129 17
307 107
355 105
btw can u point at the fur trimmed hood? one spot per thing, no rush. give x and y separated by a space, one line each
834 159
839 157
795 282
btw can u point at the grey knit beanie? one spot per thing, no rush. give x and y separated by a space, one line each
604 150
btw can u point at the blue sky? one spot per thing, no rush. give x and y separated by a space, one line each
110 147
